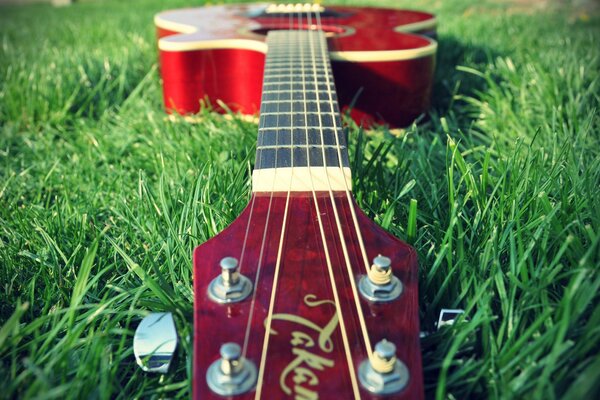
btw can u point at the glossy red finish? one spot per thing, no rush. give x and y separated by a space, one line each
387 92
199 78
303 272
395 92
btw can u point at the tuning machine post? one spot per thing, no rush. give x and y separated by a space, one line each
380 285
230 286
384 373
232 374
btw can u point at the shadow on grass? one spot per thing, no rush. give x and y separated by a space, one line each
450 82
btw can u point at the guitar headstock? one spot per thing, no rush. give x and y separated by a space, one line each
296 267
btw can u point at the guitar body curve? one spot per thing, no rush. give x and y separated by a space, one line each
383 59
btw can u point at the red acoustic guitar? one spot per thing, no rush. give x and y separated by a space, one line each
302 296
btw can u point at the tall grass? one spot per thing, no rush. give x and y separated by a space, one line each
103 199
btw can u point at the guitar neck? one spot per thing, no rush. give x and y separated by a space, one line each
301 145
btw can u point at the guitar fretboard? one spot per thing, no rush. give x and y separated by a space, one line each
299 124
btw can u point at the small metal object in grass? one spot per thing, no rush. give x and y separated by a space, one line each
154 342
448 316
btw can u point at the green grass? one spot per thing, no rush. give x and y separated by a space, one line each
102 200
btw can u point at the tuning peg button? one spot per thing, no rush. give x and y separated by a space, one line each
231 374
385 350
230 286
231 362
229 271
383 263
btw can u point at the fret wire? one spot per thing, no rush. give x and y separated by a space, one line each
283 53
274 79
293 88
320 81
285 107
293 58
295 83
304 146
290 91
287 60
278 71
301 68
291 76
274 91
310 127
296 62
270 101
271 113
270 70
293 61
291 113
310 71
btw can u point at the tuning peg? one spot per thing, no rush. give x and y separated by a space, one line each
380 285
384 373
230 286
231 374
154 342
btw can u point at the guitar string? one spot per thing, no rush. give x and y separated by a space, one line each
326 250
264 239
336 296
241 263
280 22
284 225
258 269
361 317
341 320
262 364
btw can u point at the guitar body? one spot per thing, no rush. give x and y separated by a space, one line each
383 59
303 282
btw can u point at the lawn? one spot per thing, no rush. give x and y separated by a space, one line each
102 199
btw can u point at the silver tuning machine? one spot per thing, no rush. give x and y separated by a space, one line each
230 286
231 374
380 285
383 374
